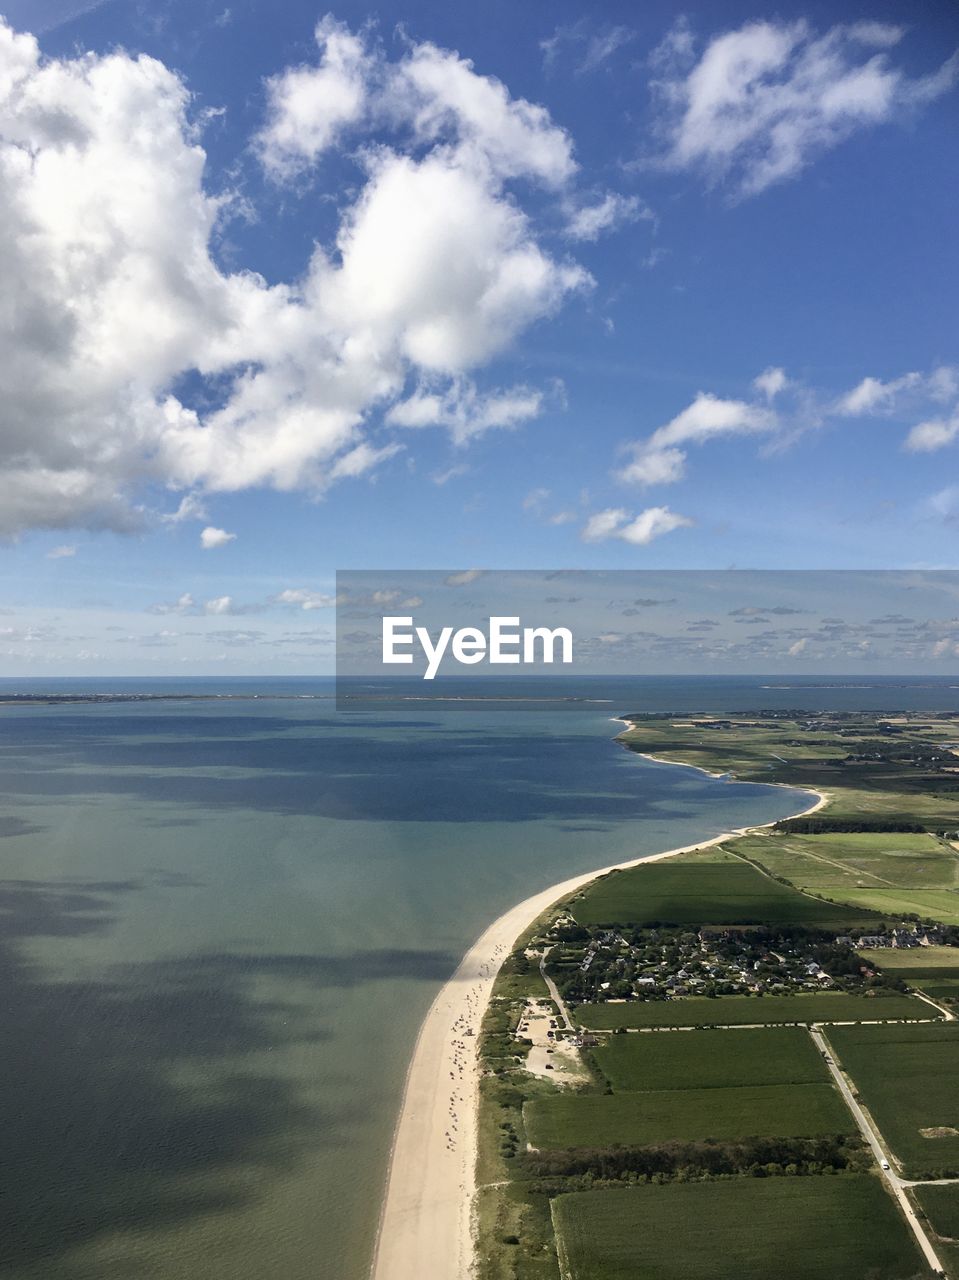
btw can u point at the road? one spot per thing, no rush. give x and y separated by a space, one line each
554 992
873 1137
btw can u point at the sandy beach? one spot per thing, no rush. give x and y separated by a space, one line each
425 1226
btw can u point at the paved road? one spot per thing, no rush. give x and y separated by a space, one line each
874 1138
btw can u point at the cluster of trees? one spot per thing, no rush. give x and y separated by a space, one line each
683 1161
817 826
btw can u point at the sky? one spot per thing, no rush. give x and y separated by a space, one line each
433 286
801 623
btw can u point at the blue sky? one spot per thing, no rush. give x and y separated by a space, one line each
443 285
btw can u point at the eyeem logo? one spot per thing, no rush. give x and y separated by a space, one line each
505 644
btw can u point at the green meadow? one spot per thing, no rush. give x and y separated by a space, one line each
941 1207
683 1115
701 1011
710 1059
712 891
906 1076
747 1228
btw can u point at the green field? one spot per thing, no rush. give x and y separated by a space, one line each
700 1011
702 891
934 970
843 1228
685 1115
906 1076
710 1059
941 1207
927 961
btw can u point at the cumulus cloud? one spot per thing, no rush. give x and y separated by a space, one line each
762 101
308 107
112 295
62 553
660 460
615 522
211 538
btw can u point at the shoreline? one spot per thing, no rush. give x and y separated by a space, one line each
425 1224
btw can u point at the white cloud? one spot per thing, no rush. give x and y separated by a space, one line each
650 466
873 394
111 294
441 478
61 553
936 433
463 578
652 523
464 411
443 96
762 101
771 382
308 107
797 648
211 538
640 530
221 605
591 221
535 500
604 524
191 508
910 393
183 605
303 599
658 460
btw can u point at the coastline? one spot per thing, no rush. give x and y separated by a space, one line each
425 1226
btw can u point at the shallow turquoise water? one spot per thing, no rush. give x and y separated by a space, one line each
222 924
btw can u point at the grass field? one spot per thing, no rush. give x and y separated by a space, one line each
643 1119
906 1076
941 1207
711 1059
694 891
750 1229
700 1011
934 970
943 961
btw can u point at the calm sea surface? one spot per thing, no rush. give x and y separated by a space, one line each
221 923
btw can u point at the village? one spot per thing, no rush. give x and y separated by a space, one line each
662 963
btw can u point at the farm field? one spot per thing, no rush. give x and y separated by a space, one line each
906 1076
643 1119
710 1059
941 1206
827 860
690 891
700 1011
922 960
934 970
787 1228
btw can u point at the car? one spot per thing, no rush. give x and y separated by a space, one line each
549 1066
884 1164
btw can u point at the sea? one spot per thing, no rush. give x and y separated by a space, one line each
224 912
